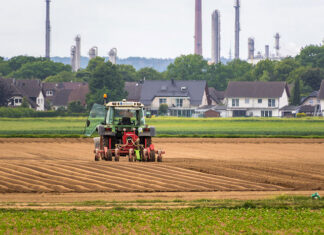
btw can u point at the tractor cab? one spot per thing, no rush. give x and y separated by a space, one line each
122 132
125 115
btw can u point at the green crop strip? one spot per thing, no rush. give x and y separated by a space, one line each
173 127
177 221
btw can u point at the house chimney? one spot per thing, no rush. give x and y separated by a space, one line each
172 82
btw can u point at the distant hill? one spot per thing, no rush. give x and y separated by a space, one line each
137 62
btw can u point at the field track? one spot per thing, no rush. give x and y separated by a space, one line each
191 165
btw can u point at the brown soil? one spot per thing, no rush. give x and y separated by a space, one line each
199 165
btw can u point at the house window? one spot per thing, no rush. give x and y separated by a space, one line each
18 101
39 101
49 93
163 101
311 102
271 103
266 113
179 102
259 101
235 102
247 100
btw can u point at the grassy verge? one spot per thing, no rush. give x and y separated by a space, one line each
284 215
173 127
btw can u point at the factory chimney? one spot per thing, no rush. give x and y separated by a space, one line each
277 44
216 48
198 28
267 52
73 58
237 29
93 52
113 55
251 49
78 52
48 30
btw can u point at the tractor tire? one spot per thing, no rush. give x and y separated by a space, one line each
152 156
116 155
145 156
159 156
97 158
109 156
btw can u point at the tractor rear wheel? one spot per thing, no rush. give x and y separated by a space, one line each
116 155
109 156
152 156
97 158
159 156
145 155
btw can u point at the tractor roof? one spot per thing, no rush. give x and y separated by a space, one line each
125 104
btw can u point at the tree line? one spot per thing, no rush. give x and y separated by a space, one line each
303 72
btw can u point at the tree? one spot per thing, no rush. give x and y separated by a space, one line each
5 93
40 70
105 78
4 68
313 77
312 56
296 93
127 72
148 74
283 68
163 109
260 68
64 76
24 103
76 107
17 62
188 67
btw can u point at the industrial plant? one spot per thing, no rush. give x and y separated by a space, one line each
198 44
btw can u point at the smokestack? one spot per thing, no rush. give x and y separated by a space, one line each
73 58
113 55
48 30
216 48
77 52
237 29
277 44
251 49
198 29
267 52
93 52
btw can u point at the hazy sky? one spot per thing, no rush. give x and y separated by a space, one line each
155 28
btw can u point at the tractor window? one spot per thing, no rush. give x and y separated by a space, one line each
124 116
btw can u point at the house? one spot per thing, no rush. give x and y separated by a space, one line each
217 97
256 99
321 98
311 99
30 90
133 90
59 95
182 97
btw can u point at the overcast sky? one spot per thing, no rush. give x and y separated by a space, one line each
155 28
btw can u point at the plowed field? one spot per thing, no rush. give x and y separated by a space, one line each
66 165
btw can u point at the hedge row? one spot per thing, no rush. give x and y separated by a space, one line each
26 112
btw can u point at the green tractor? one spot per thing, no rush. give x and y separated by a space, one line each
122 132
